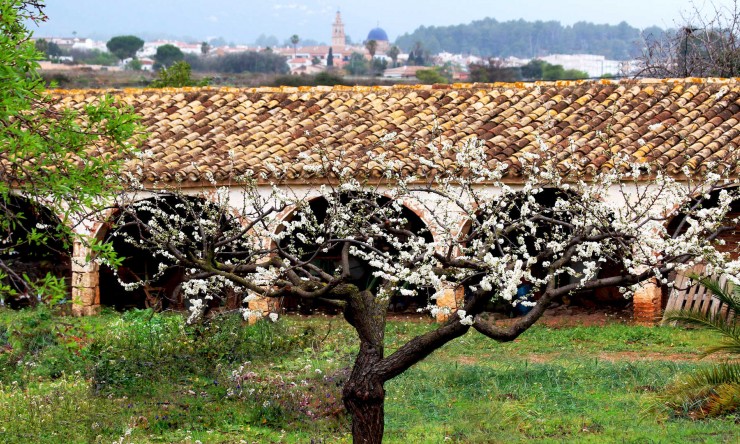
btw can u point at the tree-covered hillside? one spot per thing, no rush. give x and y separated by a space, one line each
491 38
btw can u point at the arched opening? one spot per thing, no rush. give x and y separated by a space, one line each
156 276
729 239
685 293
552 205
319 212
33 243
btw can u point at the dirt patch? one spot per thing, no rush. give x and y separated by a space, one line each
467 360
565 316
541 358
653 356
629 356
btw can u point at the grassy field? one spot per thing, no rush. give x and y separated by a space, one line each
146 378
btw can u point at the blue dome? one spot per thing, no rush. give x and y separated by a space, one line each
377 34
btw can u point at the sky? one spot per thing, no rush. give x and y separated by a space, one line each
242 21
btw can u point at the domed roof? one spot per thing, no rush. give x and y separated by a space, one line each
377 34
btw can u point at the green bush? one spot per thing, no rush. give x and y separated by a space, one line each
227 338
31 331
34 342
712 391
145 348
323 78
305 397
140 349
328 79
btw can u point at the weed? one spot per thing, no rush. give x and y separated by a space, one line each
290 398
146 348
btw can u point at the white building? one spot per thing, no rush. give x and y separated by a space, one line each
594 65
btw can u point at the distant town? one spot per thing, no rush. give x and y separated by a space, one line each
376 57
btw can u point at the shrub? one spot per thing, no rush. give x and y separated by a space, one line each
715 390
301 397
145 348
142 346
35 342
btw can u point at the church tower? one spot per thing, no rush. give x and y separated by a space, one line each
337 34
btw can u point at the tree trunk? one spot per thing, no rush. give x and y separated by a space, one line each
363 394
364 398
367 423
368 417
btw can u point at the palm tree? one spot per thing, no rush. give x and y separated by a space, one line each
393 54
294 39
716 390
372 47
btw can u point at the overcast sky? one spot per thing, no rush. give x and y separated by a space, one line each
242 21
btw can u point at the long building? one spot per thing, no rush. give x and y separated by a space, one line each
202 136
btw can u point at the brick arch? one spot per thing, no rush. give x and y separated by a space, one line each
85 267
465 224
101 225
413 205
35 261
286 215
98 228
732 237
164 288
414 208
44 207
606 296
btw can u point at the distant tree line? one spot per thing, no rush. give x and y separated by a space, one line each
52 51
494 71
358 65
167 55
248 61
49 49
323 78
520 38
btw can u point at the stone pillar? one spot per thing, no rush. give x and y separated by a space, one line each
262 307
85 281
647 309
448 301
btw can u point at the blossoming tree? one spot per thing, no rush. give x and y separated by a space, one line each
52 170
487 238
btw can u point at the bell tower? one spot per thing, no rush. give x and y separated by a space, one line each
337 34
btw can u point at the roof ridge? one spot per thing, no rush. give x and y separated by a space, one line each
402 87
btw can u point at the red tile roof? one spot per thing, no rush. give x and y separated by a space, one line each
198 132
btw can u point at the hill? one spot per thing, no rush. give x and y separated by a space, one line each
520 38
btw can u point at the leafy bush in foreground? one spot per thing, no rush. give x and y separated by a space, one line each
716 390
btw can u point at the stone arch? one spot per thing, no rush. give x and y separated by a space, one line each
26 220
729 239
608 297
286 215
160 291
362 272
422 213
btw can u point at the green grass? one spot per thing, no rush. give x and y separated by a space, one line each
147 378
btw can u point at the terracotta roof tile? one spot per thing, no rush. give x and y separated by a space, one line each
226 131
